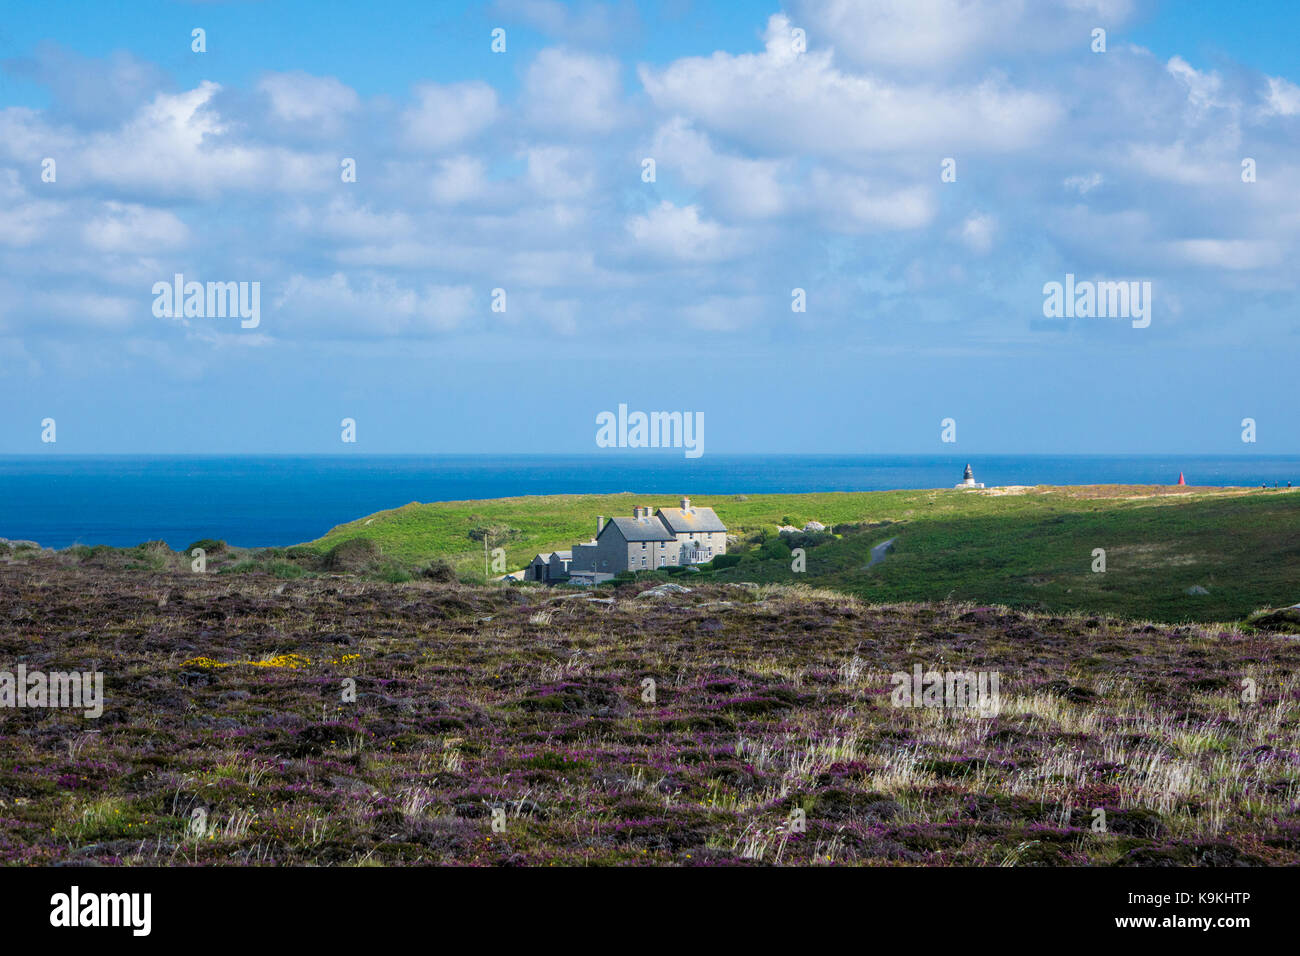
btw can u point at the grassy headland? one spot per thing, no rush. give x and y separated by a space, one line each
1027 547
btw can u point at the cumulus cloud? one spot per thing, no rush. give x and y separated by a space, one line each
739 186
852 203
459 179
1283 98
320 104
775 168
131 228
802 103
174 144
446 115
573 92
672 232
558 172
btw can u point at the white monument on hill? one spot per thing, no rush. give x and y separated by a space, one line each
968 480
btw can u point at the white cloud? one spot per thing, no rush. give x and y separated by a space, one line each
459 179
25 223
739 187
1084 183
574 92
672 232
179 144
852 203
802 104
131 228
1204 88
1178 162
447 115
1283 97
558 172
318 103
977 233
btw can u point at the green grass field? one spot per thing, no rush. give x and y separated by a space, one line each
1029 549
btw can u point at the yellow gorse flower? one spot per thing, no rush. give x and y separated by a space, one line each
285 661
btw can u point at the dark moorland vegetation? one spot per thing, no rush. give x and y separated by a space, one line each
224 695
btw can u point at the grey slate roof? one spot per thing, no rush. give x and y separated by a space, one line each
697 519
652 529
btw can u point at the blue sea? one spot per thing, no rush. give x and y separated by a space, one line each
279 500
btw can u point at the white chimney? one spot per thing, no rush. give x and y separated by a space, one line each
686 504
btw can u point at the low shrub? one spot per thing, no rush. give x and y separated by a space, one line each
210 546
356 554
440 571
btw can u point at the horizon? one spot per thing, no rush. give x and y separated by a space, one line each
649 454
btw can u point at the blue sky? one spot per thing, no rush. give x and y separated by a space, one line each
776 168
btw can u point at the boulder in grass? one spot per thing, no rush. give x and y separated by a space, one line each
661 590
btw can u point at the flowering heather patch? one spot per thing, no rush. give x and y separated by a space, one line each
731 724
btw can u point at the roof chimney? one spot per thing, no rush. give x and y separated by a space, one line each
686 504
600 524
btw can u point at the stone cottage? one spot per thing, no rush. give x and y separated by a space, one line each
670 537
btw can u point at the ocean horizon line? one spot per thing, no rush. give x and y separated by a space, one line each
632 453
